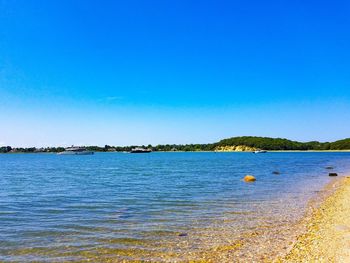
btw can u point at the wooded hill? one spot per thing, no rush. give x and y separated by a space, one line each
267 143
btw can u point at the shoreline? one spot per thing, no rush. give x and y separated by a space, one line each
256 228
296 241
268 151
326 224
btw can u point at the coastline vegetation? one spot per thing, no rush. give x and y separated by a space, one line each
244 143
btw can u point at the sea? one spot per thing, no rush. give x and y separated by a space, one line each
157 207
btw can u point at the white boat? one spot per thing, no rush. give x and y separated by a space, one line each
76 150
140 150
260 151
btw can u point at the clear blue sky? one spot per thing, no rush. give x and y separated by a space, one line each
139 72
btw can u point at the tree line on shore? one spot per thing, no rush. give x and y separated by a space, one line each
264 143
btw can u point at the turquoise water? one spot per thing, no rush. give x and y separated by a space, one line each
157 206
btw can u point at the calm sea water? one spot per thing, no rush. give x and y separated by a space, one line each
157 206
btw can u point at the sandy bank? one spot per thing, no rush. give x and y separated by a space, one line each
327 238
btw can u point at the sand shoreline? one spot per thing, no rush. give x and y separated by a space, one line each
276 242
326 237
291 241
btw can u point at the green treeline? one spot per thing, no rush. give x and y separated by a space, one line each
7 149
265 143
271 143
157 148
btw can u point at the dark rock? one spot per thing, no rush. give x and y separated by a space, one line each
333 174
183 235
276 172
329 167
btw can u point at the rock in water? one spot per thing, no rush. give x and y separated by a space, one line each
329 167
333 174
249 178
276 172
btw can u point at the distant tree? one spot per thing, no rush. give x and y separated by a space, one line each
5 149
340 145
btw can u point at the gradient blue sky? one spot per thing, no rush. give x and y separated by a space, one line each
139 72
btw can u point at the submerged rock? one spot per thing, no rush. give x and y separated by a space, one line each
329 167
333 174
276 172
249 178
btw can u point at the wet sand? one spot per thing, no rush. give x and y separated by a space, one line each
327 235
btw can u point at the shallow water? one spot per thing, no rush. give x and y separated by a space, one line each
157 206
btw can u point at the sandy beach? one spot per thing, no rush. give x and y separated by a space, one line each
327 238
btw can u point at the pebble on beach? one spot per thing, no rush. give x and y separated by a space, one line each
249 178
